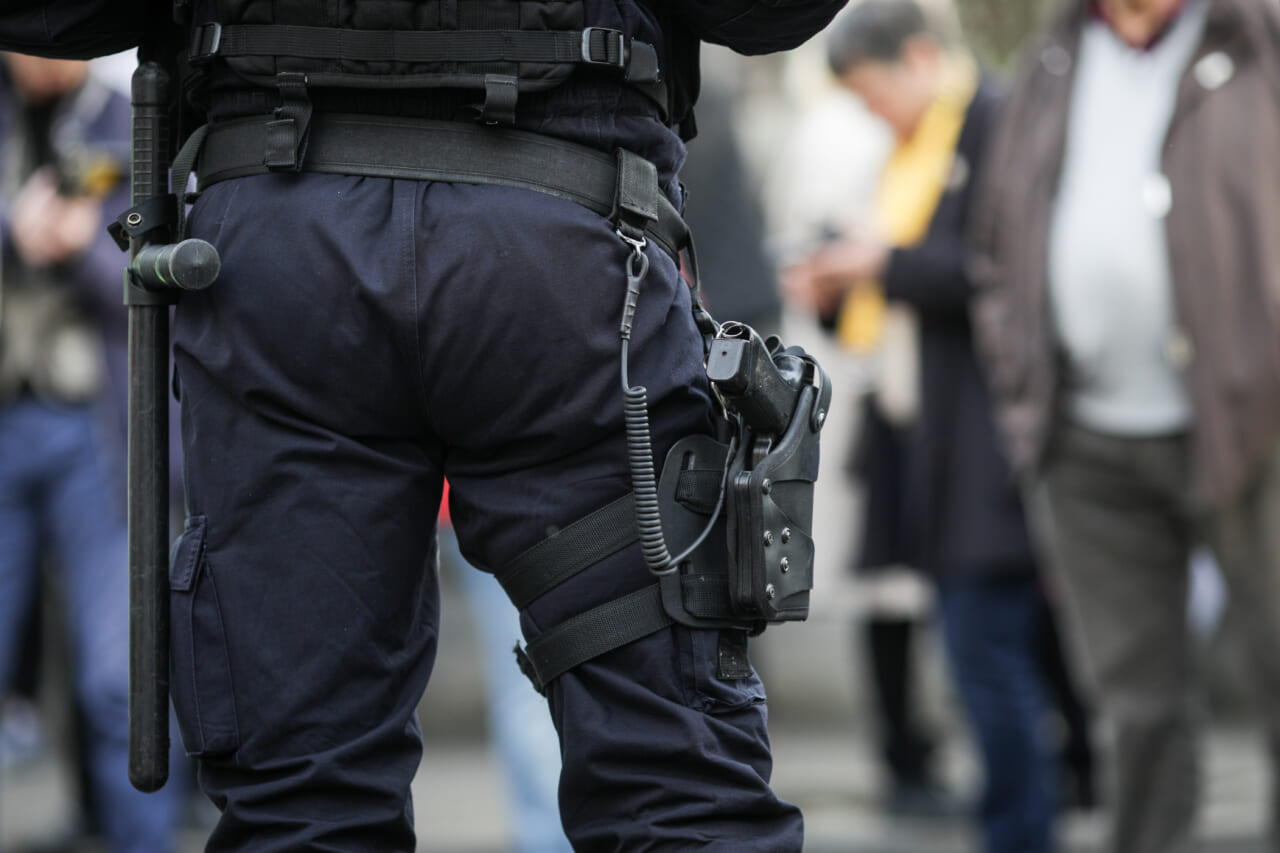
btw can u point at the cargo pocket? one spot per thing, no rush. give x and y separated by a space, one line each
200 668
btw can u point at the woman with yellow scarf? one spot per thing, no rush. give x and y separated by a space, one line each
897 290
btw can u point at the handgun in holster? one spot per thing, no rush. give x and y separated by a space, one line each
780 397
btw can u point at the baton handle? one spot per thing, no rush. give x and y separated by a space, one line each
148 497
190 265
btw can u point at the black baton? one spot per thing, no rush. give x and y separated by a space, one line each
149 452
158 270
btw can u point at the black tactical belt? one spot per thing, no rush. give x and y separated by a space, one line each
421 149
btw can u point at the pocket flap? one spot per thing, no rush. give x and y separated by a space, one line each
186 554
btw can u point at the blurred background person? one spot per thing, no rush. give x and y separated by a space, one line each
899 284
64 154
740 281
824 170
738 278
895 600
1129 272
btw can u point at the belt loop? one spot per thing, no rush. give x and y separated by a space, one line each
287 134
500 94
636 195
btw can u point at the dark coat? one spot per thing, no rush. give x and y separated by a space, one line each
963 510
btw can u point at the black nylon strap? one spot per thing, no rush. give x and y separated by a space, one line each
637 194
180 174
565 553
156 212
419 149
699 489
500 94
592 46
707 596
596 47
287 135
593 633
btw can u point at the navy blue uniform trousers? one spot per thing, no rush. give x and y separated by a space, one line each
366 338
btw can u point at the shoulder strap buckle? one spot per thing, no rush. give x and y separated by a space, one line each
205 41
604 47
642 64
636 60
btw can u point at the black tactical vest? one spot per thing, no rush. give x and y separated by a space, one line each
498 49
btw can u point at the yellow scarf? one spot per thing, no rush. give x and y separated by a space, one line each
910 185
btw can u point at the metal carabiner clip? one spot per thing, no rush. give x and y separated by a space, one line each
637 269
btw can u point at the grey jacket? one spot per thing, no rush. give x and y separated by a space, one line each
1222 161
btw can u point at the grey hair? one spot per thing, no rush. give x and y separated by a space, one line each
875 31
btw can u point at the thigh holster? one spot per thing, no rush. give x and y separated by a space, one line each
737 513
736 509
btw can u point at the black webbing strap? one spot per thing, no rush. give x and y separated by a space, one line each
420 149
287 133
636 195
592 46
568 551
707 596
592 538
595 536
184 164
699 488
454 51
591 634
586 542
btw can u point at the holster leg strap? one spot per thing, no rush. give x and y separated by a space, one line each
570 550
593 633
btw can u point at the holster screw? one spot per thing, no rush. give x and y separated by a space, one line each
768 538
785 565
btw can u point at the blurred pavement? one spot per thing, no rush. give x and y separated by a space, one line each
829 774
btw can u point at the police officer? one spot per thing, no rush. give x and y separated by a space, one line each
373 331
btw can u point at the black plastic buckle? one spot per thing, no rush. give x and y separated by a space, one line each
604 47
527 667
205 41
642 64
